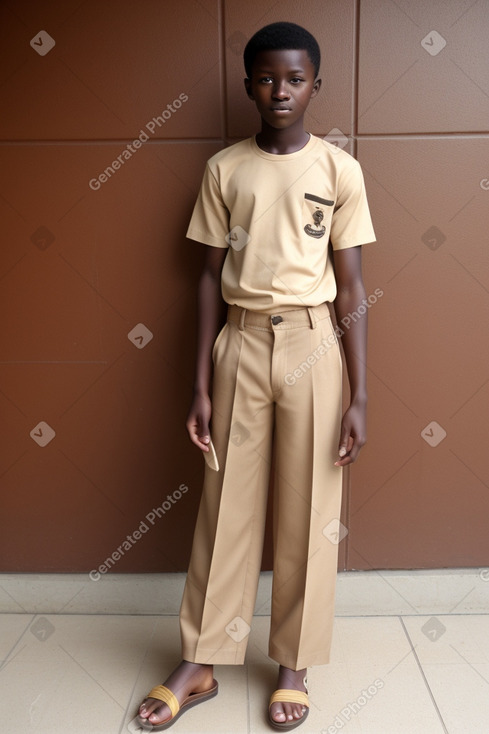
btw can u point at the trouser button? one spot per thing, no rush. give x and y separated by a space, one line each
276 320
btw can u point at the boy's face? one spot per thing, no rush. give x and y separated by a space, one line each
282 84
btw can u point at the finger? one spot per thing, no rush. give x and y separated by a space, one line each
346 444
344 451
200 442
198 435
353 449
203 434
201 437
343 445
353 453
348 459
204 442
343 462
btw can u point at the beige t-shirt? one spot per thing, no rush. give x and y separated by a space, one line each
276 215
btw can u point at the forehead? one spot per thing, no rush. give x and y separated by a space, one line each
291 59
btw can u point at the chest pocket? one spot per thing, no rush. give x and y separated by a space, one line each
316 215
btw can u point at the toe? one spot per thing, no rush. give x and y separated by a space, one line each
160 715
289 711
154 711
278 713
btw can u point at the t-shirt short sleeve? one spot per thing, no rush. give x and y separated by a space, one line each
351 224
209 223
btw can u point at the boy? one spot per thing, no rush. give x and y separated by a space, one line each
267 209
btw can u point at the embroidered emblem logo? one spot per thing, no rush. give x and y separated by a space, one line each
316 230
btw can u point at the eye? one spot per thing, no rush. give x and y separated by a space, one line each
296 80
266 80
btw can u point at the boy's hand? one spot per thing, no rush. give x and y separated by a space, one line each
198 421
353 433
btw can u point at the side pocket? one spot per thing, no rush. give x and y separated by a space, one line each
331 340
217 342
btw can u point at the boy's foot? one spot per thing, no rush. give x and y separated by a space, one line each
187 678
284 712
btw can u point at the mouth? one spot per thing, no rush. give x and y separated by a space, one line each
281 109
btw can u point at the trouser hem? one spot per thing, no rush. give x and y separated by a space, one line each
214 657
294 663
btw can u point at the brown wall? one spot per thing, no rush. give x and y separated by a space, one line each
80 269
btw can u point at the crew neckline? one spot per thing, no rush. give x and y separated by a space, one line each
285 156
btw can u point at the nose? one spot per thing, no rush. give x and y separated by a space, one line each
280 90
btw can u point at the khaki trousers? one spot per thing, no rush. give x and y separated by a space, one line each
277 381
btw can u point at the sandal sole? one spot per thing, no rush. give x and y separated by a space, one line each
282 725
193 700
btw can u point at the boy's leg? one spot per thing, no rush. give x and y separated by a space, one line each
220 591
307 496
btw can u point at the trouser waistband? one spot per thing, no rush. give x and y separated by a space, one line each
285 319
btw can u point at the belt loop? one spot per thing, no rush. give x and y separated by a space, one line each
241 324
312 318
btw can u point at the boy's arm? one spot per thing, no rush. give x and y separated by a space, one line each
211 314
351 292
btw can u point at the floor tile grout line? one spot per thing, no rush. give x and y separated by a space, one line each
462 599
61 611
10 660
420 667
248 702
87 672
5 590
471 666
7 658
137 677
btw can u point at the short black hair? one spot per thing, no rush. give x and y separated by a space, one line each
278 37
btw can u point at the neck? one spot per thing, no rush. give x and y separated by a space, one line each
282 142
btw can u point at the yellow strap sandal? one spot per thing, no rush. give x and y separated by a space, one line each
286 695
162 693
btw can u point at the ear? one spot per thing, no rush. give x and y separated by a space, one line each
316 88
247 83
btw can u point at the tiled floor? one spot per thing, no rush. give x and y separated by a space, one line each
85 674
